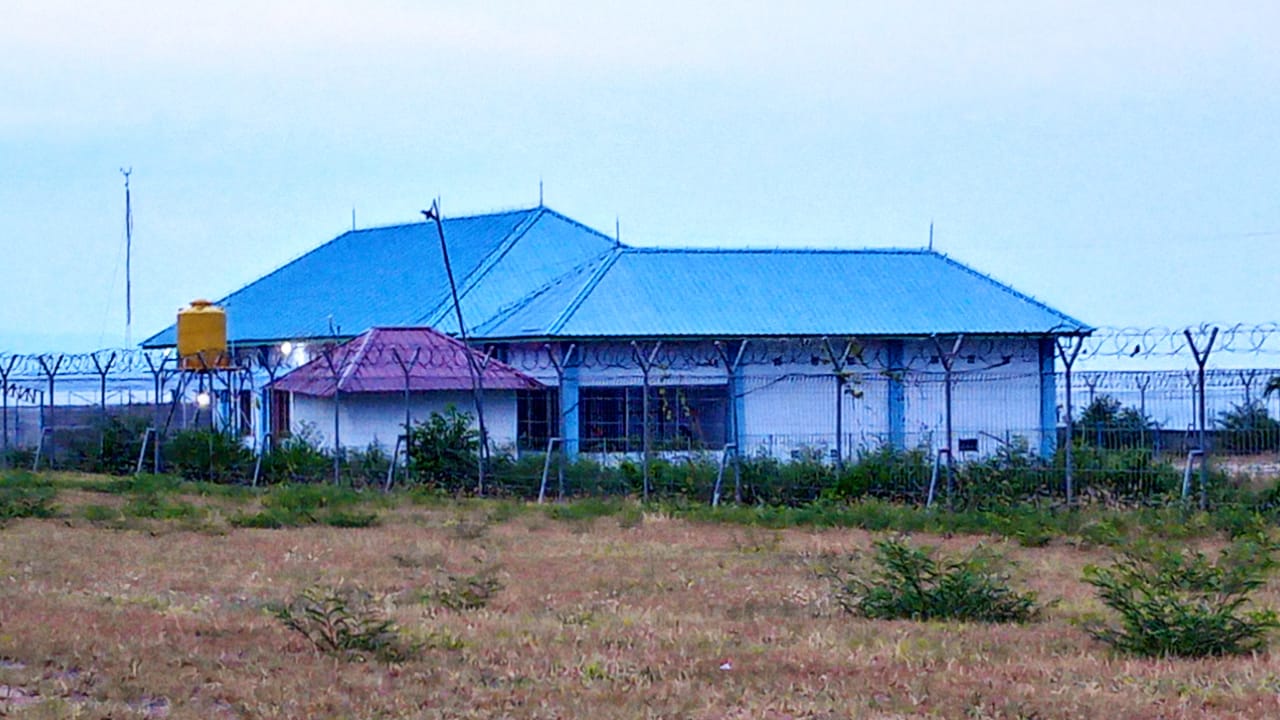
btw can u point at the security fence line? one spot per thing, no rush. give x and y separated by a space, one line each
675 402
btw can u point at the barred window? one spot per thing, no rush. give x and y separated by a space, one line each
681 417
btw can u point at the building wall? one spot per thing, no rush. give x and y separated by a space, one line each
789 390
369 418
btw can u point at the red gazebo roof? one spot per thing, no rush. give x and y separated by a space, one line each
379 359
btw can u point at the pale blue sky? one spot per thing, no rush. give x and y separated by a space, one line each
1120 161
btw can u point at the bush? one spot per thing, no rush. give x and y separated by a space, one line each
112 447
886 473
444 451
1248 428
466 592
156 506
297 459
1012 475
298 505
1127 476
346 622
18 457
908 583
1180 603
201 454
690 477
367 467
23 495
1107 424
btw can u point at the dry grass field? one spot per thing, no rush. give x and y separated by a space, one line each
625 616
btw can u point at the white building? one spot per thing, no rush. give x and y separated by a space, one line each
743 347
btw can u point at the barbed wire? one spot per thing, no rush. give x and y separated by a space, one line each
1239 338
974 354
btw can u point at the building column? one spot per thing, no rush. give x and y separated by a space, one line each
739 399
569 425
1048 399
897 396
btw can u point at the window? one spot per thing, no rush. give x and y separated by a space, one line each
244 412
537 418
279 416
680 418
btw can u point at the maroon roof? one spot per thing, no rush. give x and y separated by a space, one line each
376 361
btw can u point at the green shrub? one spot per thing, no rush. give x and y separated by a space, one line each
1127 476
466 592
1248 428
886 472
111 447
587 508
297 459
298 505
18 457
208 455
143 484
1106 423
905 582
444 451
367 467
1181 603
349 519
24 494
690 477
157 507
100 513
347 622
1010 476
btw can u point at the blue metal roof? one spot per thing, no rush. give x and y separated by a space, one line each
641 292
537 274
394 276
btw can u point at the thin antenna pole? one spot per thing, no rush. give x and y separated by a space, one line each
128 260
353 219
539 192
930 236
477 380
617 231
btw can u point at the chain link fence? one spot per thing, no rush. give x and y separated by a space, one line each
953 420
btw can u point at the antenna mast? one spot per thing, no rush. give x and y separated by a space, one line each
128 260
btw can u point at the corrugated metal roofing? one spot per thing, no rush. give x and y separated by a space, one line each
645 292
537 274
395 276
376 361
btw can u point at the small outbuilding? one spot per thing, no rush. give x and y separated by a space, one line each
385 378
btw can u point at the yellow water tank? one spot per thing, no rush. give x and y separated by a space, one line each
202 336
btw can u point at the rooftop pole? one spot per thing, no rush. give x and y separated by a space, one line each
477 386
128 260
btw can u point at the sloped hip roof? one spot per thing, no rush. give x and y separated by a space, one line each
535 274
662 292
378 360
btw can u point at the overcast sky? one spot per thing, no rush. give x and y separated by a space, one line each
1120 161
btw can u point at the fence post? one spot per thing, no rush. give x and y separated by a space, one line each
566 368
731 369
948 359
4 398
646 364
1202 358
837 367
48 423
1069 352
407 369
897 390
